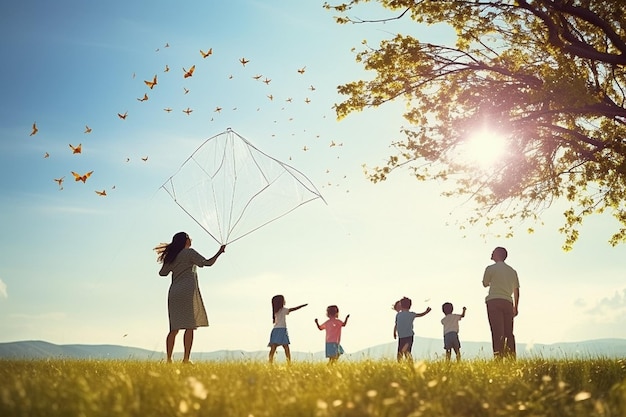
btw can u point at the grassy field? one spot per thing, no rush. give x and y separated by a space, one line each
559 388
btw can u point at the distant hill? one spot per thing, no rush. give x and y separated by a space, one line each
423 348
426 348
37 349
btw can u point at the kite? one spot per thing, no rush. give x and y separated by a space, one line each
230 188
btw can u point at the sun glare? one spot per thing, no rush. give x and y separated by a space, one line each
485 148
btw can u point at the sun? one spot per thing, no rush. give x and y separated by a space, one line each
485 147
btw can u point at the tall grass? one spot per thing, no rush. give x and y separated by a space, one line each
559 388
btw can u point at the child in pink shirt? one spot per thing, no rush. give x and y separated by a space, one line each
333 333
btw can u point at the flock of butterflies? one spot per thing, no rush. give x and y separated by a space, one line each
75 149
152 84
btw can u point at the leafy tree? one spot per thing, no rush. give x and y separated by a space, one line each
548 75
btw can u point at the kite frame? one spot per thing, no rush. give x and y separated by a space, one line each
288 169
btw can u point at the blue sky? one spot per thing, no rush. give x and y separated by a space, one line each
76 267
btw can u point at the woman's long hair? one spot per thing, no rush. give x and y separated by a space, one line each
167 252
278 302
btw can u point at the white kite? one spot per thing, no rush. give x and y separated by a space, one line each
230 188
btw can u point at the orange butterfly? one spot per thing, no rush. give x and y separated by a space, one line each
307 100
144 98
167 68
289 100
35 130
87 129
186 90
256 77
122 116
218 109
59 181
167 109
188 111
145 158
167 45
83 178
267 81
301 70
190 72
244 61
271 97
46 155
101 193
76 149
152 83
207 53
312 88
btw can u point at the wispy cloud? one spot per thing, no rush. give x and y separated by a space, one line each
599 317
3 290
608 308
616 301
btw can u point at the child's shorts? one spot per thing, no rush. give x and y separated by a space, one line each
279 336
451 341
405 344
333 350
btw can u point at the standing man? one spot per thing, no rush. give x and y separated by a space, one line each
502 303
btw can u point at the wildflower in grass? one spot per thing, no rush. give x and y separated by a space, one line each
198 389
581 396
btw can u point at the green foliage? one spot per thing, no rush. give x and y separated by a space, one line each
593 387
550 77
